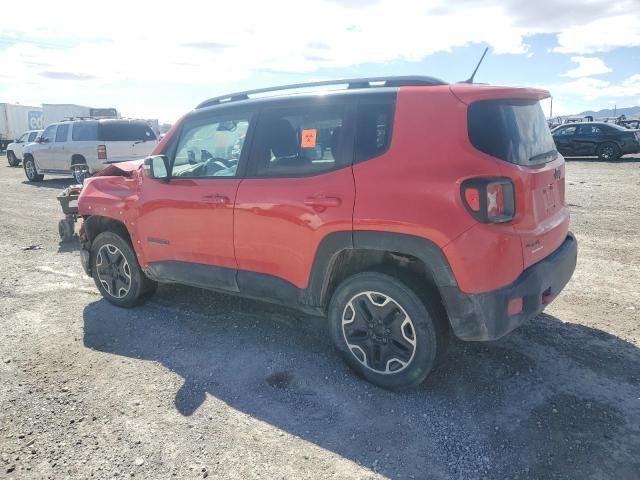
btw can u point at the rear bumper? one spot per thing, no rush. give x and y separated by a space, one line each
485 316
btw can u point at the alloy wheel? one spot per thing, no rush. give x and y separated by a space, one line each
379 332
113 271
30 169
607 153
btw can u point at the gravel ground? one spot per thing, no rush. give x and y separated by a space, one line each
197 384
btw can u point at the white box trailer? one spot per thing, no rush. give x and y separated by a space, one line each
17 119
55 112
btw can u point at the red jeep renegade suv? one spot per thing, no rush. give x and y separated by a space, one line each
401 208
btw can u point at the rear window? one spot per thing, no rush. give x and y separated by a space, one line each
512 130
84 131
125 131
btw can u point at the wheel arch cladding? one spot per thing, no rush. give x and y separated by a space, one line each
96 224
342 254
77 159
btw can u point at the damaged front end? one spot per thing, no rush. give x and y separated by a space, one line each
108 202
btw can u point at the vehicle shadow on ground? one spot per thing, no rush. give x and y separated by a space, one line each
57 183
524 406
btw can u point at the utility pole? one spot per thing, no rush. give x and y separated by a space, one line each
551 110
615 109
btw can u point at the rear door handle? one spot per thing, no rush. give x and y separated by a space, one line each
322 201
217 199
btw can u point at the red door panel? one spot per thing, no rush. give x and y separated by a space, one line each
280 222
188 220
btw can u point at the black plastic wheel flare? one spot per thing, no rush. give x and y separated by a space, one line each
378 332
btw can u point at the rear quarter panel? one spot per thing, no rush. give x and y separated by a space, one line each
414 188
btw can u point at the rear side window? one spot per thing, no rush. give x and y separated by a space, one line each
85 131
62 132
589 130
125 132
300 141
512 130
373 130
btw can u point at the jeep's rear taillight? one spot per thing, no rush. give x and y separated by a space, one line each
489 200
102 152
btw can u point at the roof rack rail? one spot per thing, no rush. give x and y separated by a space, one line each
353 83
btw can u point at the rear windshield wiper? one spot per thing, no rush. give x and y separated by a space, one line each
540 156
141 141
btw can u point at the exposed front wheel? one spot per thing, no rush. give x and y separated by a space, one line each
116 271
12 159
385 331
30 170
65 229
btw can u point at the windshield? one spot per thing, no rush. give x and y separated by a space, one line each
512 130
122 131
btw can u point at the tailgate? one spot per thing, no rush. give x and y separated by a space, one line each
543 217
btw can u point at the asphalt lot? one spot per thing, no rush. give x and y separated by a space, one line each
197 384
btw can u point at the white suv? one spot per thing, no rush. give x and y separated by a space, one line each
83 147
15 149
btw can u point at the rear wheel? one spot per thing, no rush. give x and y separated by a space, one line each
30 170
117 273
384 330
608 152
80 172
12 159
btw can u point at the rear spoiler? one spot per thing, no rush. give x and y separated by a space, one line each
467 93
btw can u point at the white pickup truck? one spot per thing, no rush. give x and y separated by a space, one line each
83 147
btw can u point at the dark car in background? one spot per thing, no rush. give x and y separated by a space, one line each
605 140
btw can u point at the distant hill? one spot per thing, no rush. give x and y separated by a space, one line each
609 112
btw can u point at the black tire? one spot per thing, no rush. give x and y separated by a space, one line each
12 159
105 251
79 172
30 170
608 152
392 336
65 230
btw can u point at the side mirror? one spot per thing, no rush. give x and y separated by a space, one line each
42 140
157 167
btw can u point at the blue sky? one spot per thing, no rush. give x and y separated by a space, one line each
158 61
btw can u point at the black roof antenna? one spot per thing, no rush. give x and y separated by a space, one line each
470 79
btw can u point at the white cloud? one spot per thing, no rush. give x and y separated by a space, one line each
594 88
603 34
63 56
587 66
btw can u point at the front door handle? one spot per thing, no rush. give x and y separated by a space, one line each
322 201
217 199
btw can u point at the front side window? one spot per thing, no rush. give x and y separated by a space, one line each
85 131
22 138
49 133
61 133
33 136
566 131
211 148
300 141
